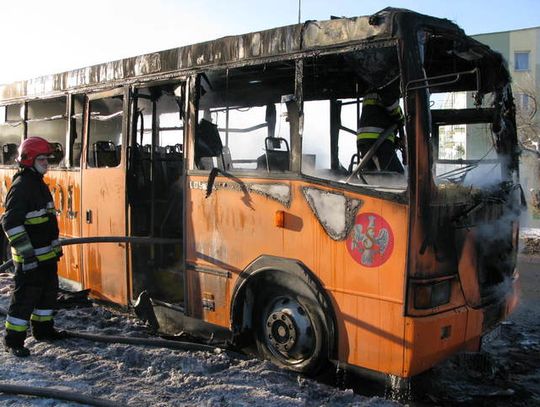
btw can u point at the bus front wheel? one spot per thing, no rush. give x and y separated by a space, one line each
290 332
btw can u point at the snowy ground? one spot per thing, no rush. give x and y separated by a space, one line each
506 373
144 376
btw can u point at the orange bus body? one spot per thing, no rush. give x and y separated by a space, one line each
382 271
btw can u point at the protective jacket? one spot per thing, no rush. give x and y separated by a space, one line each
377 115
30 221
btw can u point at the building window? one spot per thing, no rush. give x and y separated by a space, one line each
521 61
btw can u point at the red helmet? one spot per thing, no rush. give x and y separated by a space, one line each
31 148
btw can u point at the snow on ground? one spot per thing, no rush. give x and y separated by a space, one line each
530 232
506 373
144 376
529 241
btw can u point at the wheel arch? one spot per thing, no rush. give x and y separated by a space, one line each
291 273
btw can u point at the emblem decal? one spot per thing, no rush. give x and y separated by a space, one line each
371 241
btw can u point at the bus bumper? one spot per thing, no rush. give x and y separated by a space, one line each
431 339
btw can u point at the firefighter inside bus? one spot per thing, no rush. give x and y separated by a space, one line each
380 112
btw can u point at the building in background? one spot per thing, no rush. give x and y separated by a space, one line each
521 49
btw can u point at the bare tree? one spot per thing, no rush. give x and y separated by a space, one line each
527 115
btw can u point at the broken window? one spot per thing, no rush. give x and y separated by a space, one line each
244 122
465 115
47 119
157 151
154 189
105 132
77 130
336 87
466 154
11 132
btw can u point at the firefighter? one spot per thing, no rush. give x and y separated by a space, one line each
379 112
32 230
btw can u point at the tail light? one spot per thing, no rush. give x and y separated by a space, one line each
432 295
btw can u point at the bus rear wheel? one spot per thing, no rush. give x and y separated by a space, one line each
290 332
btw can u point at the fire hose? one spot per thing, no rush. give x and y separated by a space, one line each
155 342
51 393
106 239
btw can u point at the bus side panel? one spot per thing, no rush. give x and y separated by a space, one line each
66 190
371 335
225 232
368 298
103 205
434 338
235 225
6 176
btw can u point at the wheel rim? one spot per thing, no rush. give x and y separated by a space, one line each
288 331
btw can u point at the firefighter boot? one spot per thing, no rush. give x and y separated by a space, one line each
44 331
14 343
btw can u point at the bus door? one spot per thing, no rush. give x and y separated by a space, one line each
155 191
103 202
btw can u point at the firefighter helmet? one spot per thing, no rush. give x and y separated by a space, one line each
31 148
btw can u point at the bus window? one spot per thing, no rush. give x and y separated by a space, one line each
463 141
105 132
77 130
335 87
11 132
244 124
47 119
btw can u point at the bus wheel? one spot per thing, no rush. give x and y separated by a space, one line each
290 332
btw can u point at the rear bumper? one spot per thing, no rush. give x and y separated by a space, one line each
431 339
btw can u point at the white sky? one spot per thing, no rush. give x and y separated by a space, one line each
40 37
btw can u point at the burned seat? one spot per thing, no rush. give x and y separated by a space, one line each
9 153
207 144
276 155
104 154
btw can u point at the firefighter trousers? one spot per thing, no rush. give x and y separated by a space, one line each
35 289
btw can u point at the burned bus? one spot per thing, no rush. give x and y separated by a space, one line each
240 154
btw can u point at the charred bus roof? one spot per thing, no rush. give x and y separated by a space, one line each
386 26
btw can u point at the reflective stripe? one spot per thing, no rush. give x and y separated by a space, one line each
16 237
16 324
23 247
39 318
13 231
367 135
42 315
42 312
36 221
393 106
371 102
16 321
47 256
41 253
19 257
35 214
42 250
16 328
29 266
370 129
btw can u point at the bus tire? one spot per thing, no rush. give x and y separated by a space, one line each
290 332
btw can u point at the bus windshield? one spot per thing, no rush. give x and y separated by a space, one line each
336 90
